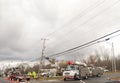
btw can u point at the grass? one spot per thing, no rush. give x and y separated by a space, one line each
51 78
114 77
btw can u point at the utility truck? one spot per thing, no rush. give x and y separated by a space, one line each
96 71
76 72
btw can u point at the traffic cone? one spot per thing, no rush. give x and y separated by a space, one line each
12 81
17 81
8 80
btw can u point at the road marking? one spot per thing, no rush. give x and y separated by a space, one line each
82 81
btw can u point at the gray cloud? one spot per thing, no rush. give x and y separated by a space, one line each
24 22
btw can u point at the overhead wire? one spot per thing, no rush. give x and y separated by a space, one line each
91 18
88 43
81 14
86 21
59 43
62 54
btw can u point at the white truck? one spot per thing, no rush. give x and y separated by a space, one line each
96 71
76 72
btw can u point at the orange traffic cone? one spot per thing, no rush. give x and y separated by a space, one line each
8 80
17 81
12 81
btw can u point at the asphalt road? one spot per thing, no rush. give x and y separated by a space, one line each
102 79
3 81
90 80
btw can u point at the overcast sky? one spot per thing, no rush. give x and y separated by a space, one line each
65 23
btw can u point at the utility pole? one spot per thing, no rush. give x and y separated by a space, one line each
114 61
42 55
112 53
113 56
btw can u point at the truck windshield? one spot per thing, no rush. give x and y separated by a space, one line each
71 67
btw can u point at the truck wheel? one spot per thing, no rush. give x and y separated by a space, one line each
98 75
76 77
86 77
64 79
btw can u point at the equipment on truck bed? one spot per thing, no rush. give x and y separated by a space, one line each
96 71
81 71
76 71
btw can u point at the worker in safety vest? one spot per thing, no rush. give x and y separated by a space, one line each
29 74
34 74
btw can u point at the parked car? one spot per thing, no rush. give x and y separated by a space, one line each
105 70
46 74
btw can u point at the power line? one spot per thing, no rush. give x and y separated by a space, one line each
83 13
91 18
88 45
74 50
57 55
71 49
83 45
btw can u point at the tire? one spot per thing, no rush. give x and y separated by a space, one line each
28 79
86 77
15 79
98 75
76 77
19 79
64 79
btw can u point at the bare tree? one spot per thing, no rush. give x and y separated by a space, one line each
92 59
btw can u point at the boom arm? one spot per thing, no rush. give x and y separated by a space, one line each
51 60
